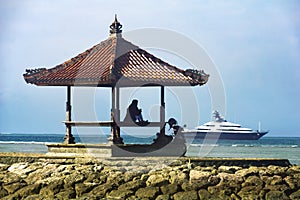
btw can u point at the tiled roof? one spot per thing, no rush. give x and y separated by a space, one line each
112 62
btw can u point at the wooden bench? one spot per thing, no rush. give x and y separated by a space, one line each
88 123
110 123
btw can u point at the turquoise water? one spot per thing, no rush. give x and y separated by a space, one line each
266 147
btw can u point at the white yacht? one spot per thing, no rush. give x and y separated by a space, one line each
222 129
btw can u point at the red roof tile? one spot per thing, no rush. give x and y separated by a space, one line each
114 61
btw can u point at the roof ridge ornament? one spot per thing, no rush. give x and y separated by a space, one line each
115 27
198 75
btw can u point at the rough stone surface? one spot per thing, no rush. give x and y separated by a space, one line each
191 195
163 197
229 169
3 192
295 195
11 188
3 167
178 176
292 182
204 194
169 189
276 195
119 194
157 180
66 194
101 190
253 181
132 185
89 178
148 192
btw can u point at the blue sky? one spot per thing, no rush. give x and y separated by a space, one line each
255 46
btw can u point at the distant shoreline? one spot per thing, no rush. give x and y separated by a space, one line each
108 134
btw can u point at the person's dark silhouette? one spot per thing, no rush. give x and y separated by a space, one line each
134 113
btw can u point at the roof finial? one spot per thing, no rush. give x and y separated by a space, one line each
115 27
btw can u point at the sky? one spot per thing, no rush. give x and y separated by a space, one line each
254 46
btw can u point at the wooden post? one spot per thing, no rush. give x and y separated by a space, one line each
115 129
162 110
112 132
117 113
68 139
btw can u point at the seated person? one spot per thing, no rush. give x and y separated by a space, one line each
135 114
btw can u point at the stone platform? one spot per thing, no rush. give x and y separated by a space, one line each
10 158
81 150
120 150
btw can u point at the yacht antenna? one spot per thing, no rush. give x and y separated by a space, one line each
259 126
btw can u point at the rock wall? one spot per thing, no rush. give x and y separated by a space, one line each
127 179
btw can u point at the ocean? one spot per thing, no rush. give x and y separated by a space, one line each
266 147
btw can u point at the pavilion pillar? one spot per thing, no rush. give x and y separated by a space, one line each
115 136
68 139
117 111
162 110
117 114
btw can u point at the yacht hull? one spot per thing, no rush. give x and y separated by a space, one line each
224 135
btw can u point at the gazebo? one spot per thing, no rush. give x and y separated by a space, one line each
114 63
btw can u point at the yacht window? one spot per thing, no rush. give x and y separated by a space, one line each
229 126
210 125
